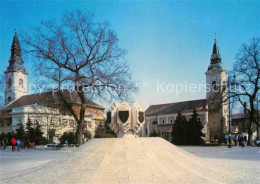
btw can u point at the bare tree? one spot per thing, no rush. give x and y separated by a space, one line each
246 81
82 53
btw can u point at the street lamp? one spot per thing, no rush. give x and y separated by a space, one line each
229 117
257 117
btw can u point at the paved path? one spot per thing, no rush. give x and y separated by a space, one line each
140 160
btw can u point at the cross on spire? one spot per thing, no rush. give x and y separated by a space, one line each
215 56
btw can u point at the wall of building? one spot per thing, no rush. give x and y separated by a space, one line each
50 120
15 90
217 117
149 127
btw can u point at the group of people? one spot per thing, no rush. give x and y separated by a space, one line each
214 140
237 139
241 140
14 143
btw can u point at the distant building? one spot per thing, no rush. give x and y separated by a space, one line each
45 109
161 117
240 123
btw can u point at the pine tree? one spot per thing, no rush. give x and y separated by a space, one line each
20 132
108 130
154 133
104 131
30 135
38 134
99 131
195 130
68 136
179 130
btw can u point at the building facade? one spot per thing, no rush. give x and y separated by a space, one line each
212 110
45 109
162 117
241 122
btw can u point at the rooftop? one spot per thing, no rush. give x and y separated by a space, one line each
170 108
51 98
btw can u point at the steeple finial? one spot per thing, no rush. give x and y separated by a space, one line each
15 31
215 56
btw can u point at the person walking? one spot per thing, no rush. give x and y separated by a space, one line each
13 141
245 140
212 140
242 141
239 140
18 142
235 139
4 143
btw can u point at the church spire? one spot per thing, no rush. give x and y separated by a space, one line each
15 48
16 61
215 56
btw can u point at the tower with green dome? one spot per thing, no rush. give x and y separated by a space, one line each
216 82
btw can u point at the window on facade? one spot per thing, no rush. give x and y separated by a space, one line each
224 83
9 99
20 120
9 82
9 122
214 85
36 121
162 121
21 83
171 121
64 122
72 123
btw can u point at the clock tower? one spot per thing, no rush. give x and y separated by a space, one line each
15 74
216 84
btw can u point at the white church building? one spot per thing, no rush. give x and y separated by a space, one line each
19 105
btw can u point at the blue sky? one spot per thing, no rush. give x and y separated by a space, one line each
167 41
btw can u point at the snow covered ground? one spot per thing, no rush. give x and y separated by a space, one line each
12 162
144 160
247 153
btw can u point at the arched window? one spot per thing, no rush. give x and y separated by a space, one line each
21 83
9 99
9 82
214 85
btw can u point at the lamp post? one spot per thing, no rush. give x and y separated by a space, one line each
229 117
257 117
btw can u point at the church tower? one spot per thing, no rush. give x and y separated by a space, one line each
15 75
216 83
